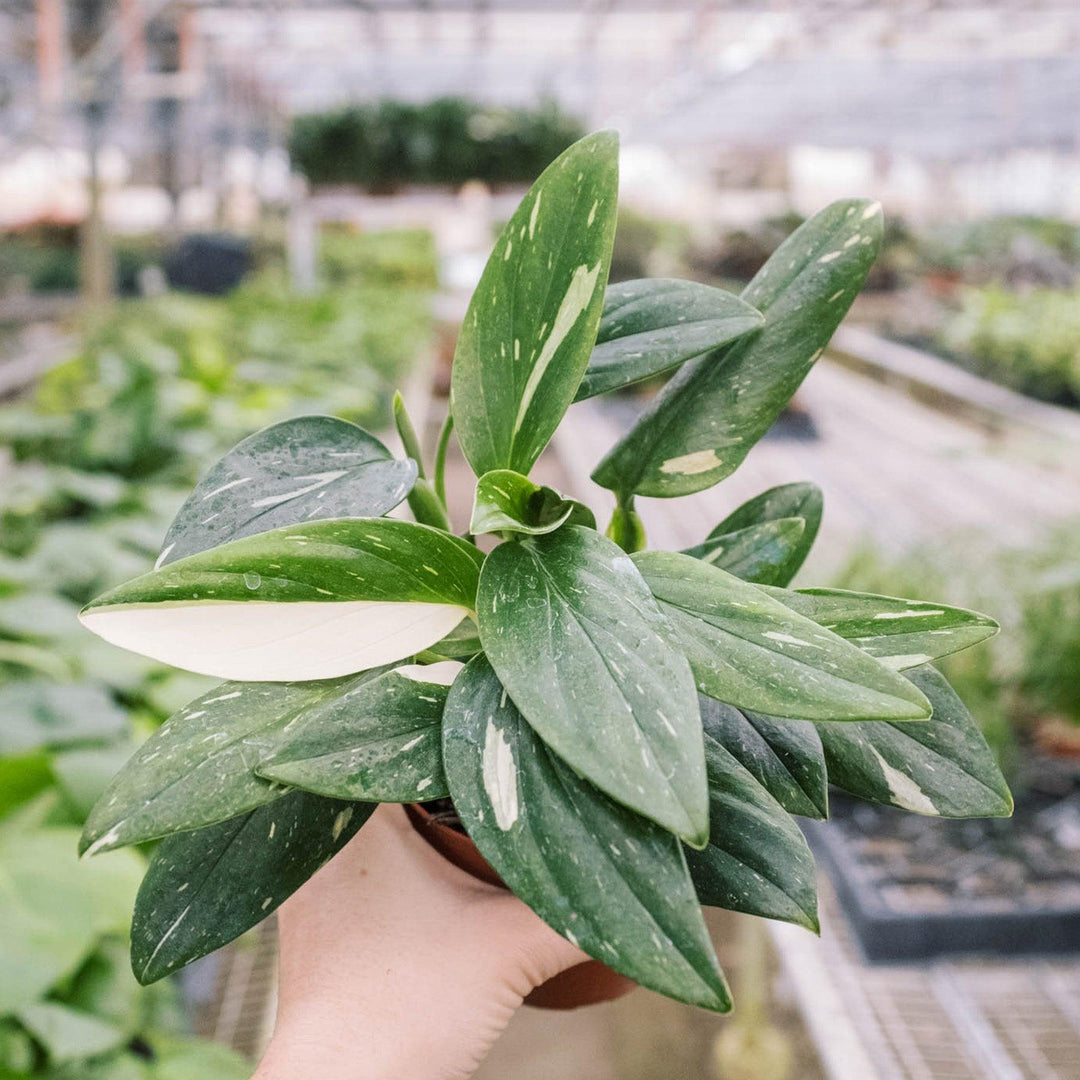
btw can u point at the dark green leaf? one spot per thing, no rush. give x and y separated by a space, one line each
462 643
532 321
36 713
611 882
576 638
378 741
702 425
759 553
205 888
506 501
901 633
757 860
941 768
783 756
300 469
67 1034
652 325
751 651
198 768
305 602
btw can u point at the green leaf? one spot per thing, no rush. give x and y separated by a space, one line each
613 883
532 321
759 553
757 860
205 888
751 651
53 908
21 778
942 768
198 768
67 1034
378 741
294 471
506 501
577 640
462 643
652 325
305 602
83 772
801 500
37 616
900 633
783 756
704 422
195 1059
38 713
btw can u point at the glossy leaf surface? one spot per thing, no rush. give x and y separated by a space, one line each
578 641
757 860
297 470
304 602
943 768
506 501
704 422
532 320
205 888
379 740
901 633
761 554
748 649
605 878
784 756
652 325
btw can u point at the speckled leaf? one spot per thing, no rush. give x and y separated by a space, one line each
294 471
783 756
652 325
751 651
35 713
942 768
704 422
532 321
198 768
608 880
759 553
379 741
506 501
757 860
800 500
901 633
577 639
205 888
305 602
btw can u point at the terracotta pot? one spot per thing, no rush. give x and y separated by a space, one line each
587 983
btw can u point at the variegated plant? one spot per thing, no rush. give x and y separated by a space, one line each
624 733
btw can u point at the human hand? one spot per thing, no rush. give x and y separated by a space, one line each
394 963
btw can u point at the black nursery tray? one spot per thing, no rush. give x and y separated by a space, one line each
915 888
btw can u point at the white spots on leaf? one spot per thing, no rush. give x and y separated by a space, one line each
163 556
500 776
425 783
318 480
267 902
904 792
898 663
411 743
340 821
918 614
830 256
517 348
576 299
226 487
871 211
535 214
592 212
273 827
222 697
786 639
851 241
815 356
103 843
835 296
691 464
184 886
508 250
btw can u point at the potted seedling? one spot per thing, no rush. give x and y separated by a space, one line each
622 733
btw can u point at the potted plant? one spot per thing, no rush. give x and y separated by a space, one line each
622 733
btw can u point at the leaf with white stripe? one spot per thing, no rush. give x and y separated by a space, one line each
379 740
900 633
608 880
750 650
531 324
297 470
704 422
759 553
652 325
205 888
305 602
575 637
783 756
943 768
757 860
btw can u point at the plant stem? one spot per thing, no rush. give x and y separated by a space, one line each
626 528
408 433
440 457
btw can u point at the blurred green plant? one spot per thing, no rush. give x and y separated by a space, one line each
446 141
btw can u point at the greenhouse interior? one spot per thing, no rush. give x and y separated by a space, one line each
811 266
